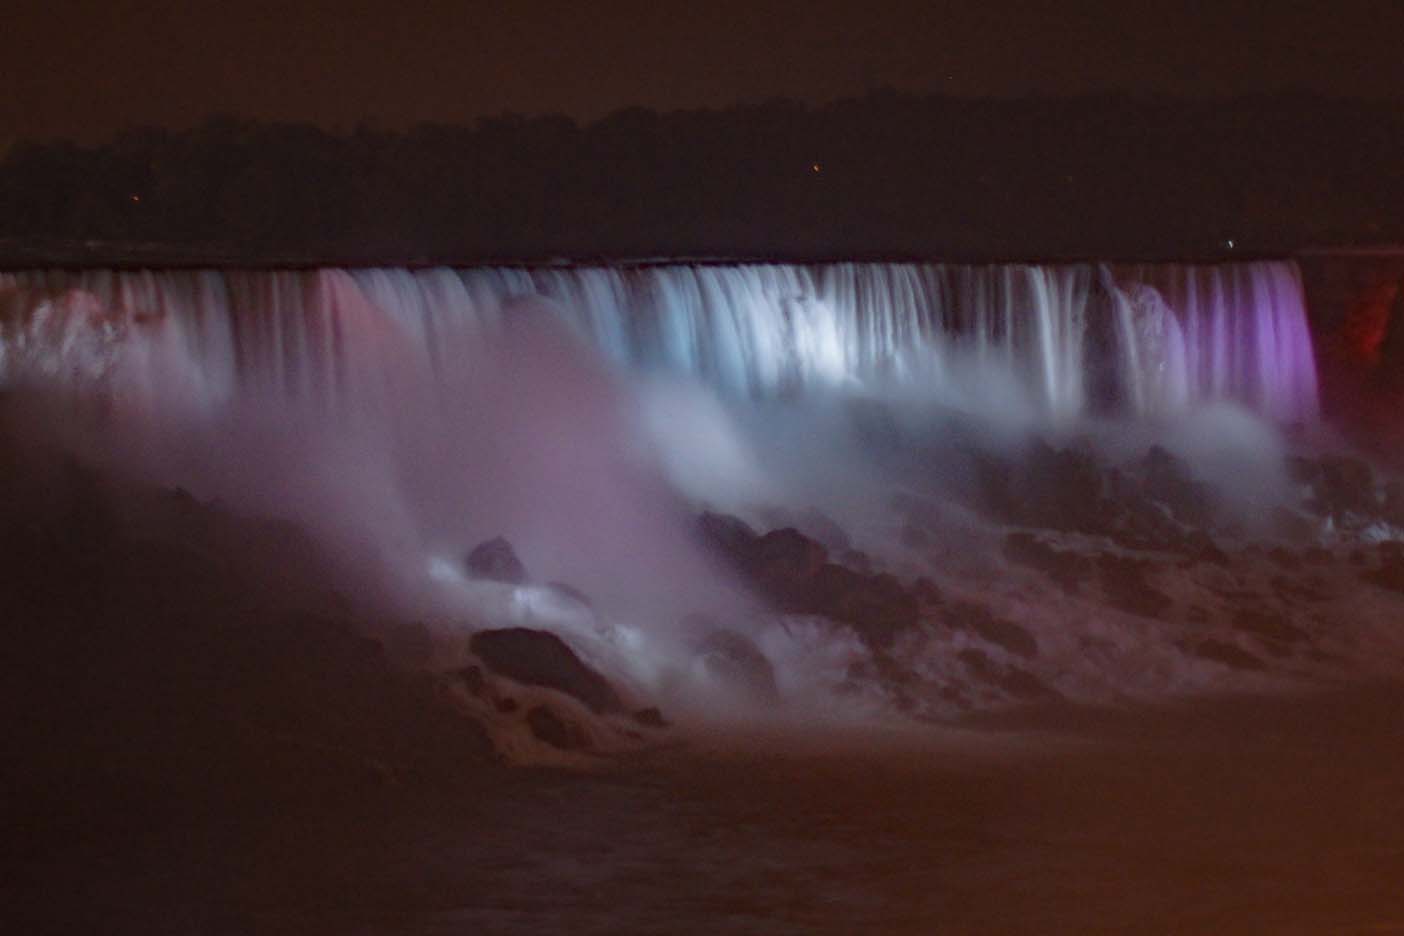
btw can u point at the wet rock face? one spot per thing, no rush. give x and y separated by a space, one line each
552 729
1342 488
1389 574
733 659
1166 480
1068 569
1048 488
1012 637
1125 585
496 561
538 658
1225 654
794 573
1153 504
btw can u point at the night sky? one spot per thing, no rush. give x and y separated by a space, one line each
86 68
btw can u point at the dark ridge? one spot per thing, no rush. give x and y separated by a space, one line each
888 176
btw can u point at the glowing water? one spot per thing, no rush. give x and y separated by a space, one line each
1161 338
403 416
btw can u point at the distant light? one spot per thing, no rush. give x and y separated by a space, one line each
1229 243
136 198
815 167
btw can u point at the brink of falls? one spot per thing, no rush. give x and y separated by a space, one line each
1140 341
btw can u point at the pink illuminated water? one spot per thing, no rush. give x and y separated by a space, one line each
1164 338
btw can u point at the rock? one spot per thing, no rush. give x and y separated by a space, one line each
857 560
927 591
794 573
473 680
730 537
1390 574
784 562
1049 488
1018 683
1339 485
915 537
554 730
1394 502
734 660
1225 654
874 425
1068 569
1293 526
651 718
1167 480
1123 580
1200 547
497 561
996 630
1309 588
570 593
1267 624
1346 485
823 528
877 607
537 658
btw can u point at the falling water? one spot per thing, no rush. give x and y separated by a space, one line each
1162 338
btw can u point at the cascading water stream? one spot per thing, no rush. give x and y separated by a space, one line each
590 413
1165 337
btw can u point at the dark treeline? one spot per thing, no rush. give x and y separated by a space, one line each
888 174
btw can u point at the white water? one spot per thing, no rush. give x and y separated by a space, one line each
1164 337
405 415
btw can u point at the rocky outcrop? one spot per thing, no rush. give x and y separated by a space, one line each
537 658
795 573
1070 570
1152 504
549 727
497 561
733 659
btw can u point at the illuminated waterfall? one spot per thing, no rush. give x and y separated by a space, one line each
1163 337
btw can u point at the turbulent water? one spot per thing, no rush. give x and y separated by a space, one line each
1033 484
589 412
1144 340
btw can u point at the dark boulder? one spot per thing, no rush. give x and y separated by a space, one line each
496 560
1068 569
1056 489
1268 625
1394 502
877 607
1339 485
556 731
986 625
1347 485
650 717
1015 681
927 592
793 572
1389 575
1125 585
784 562
729 537
734 660
537 658
1225 654
875 426
825 529
1167 480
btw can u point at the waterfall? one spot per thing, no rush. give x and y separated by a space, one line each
1164 337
